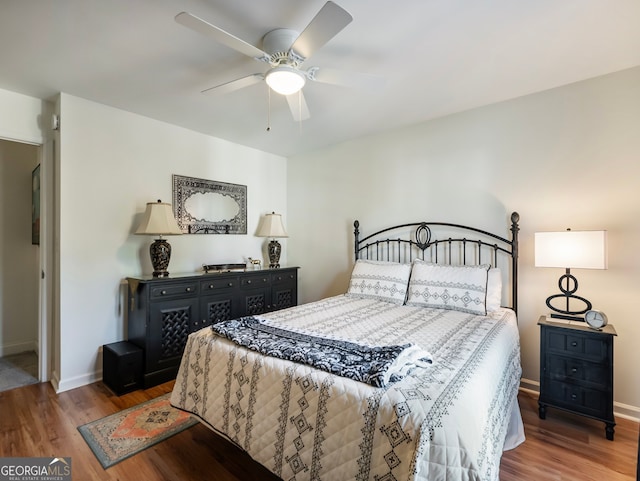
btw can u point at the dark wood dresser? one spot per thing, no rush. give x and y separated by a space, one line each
162 312
576 370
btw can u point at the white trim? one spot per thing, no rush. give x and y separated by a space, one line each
77 381
17 348
529 385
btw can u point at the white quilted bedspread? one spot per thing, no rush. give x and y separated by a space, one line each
447 421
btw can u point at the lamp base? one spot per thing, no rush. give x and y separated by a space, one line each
566 317
568 285
274 254
160 251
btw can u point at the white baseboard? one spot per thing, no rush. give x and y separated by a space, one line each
18 347
626 411
530 385
74 382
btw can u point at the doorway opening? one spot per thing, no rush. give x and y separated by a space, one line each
20 270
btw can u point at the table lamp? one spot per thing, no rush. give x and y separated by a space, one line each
570 250
272 227
158 220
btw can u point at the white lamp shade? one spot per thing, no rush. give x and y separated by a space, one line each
285 80
272 226
158 219
571 249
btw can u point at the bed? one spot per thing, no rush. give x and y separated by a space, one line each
430 311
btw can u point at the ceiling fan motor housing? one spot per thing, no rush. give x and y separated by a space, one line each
277 43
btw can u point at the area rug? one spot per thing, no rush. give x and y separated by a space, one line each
123 434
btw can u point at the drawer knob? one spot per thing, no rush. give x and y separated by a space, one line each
574 370
279 278
574 344
188 289
574 397
264 279
210 286
249 281
163 293
230 284
196 323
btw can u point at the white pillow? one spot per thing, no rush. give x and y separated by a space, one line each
386 281
494 289
458 288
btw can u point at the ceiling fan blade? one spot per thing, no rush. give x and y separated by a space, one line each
347 79
234 85
219 35
298 106
325 25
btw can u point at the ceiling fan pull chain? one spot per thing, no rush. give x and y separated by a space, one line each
300 112
268 109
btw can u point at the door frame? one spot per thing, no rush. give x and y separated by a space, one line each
46 268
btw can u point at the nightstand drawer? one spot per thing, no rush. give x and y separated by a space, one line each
577 344
578 398
561 368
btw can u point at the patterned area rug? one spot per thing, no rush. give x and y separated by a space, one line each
123 434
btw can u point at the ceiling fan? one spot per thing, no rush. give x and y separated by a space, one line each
284 50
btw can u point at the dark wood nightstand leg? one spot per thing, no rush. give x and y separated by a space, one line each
542 411
609 431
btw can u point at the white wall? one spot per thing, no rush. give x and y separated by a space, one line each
18 257
567 157
111 164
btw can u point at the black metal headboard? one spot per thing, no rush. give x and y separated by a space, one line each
456 244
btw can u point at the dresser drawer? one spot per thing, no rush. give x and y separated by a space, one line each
562 368
579 344
283 278
214 284
168 291
576 398
257 280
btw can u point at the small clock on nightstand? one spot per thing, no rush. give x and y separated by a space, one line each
596 319
576 368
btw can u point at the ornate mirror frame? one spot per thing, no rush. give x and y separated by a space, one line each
209 207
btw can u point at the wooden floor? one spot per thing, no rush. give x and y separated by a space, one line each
34 421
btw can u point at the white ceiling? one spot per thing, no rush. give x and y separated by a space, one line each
436 57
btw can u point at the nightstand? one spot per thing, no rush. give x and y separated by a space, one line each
576 370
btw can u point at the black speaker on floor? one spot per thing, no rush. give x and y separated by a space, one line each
122 366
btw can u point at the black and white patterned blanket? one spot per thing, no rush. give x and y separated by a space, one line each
374 365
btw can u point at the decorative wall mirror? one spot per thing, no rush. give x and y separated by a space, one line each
208 207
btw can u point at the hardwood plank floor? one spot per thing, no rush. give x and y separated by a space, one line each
34 421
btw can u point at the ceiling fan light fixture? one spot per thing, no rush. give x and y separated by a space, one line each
285 80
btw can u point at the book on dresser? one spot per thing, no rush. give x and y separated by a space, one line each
163 311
